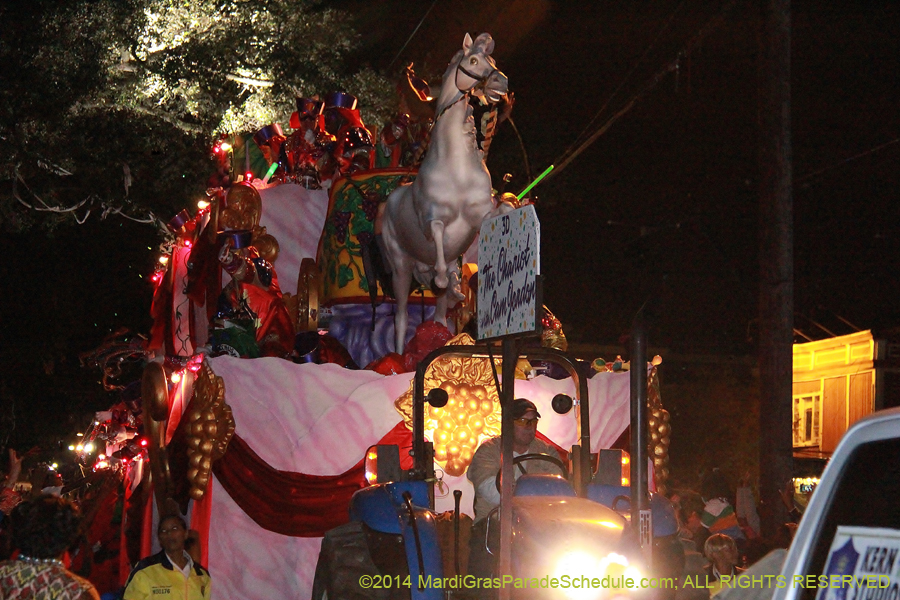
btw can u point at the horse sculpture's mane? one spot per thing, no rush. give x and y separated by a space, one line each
428 224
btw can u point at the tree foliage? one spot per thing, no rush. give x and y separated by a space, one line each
110 106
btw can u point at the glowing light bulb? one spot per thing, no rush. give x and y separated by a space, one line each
79 448
225 146
163 260
176 377
201 204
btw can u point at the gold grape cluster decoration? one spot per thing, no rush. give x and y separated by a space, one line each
209 426
471 415
660 432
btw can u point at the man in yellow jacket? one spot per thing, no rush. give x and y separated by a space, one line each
171 572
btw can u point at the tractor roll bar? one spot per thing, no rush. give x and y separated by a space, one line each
423 464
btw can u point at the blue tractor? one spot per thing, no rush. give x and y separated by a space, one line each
570 535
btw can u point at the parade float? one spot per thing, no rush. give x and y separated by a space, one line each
290 312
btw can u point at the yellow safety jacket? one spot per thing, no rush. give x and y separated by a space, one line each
156 578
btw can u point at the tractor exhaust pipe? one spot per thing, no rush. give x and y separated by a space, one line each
640 500
457 495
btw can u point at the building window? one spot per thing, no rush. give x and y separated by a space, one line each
806 420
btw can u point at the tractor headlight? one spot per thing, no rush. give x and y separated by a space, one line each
587 576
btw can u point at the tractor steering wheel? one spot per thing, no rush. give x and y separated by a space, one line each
535 456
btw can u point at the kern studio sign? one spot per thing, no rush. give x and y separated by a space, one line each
509 268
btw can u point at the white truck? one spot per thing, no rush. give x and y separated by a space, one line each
847 545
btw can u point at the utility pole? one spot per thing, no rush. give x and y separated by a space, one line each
776 256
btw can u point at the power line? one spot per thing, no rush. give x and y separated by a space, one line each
648 86
409 39
846 160
627 77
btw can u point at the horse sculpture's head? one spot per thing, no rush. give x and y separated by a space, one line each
476 71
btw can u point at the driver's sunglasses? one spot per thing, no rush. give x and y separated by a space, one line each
523 422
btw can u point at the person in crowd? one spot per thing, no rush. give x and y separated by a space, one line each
688 506
43 529
693 532
170 572
482 472
718 513
722 554
784 535
745 508
45 480
9 498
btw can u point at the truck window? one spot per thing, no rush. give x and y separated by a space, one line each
867 495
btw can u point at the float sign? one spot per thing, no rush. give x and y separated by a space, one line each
509 268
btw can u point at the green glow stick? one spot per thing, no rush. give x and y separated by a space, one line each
535 182
271 171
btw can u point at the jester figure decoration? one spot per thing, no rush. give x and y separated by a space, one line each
429 223
252 319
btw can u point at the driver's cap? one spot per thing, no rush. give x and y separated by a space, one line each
520 406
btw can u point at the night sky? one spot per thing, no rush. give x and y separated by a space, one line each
662 207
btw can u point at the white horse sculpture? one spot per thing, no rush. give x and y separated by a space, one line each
431 222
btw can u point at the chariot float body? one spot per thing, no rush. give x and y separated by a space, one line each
259 426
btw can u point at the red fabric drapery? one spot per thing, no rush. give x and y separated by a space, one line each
201 515
563 453
295 504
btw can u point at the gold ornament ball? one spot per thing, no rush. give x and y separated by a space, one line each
462 435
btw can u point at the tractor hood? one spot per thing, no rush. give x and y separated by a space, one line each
547 521
569 538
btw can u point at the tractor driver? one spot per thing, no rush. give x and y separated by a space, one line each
483 471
